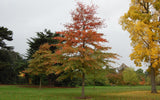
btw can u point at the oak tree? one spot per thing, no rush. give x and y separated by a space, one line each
141 21
82 50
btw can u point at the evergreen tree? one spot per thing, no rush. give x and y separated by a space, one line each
42 38
5 34
11 63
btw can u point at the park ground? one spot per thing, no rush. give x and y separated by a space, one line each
19 92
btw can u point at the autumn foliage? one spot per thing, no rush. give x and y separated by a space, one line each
42 62
81 45
142 22
80 49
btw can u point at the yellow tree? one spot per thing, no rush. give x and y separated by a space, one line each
42 62
141 21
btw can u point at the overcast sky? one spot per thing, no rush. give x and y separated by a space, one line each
26 17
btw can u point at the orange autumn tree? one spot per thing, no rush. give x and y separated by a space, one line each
82 50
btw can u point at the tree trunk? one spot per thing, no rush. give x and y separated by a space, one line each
30 81
83 84
49 81
94 79
153 82
40 83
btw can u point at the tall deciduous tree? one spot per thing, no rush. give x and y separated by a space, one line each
5 34
42 62
82 49
141 21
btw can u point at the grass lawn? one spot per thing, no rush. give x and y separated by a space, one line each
10 92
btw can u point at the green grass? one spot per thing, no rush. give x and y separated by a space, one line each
99 93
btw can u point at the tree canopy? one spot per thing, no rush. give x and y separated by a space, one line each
82 50
41 62
11 63
5 34
42 38
130 77
142 22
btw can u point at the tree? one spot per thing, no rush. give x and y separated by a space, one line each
11 63
115 78
42 38
34 44
82 49
42 62
141 76
5 34
141 21
130 77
